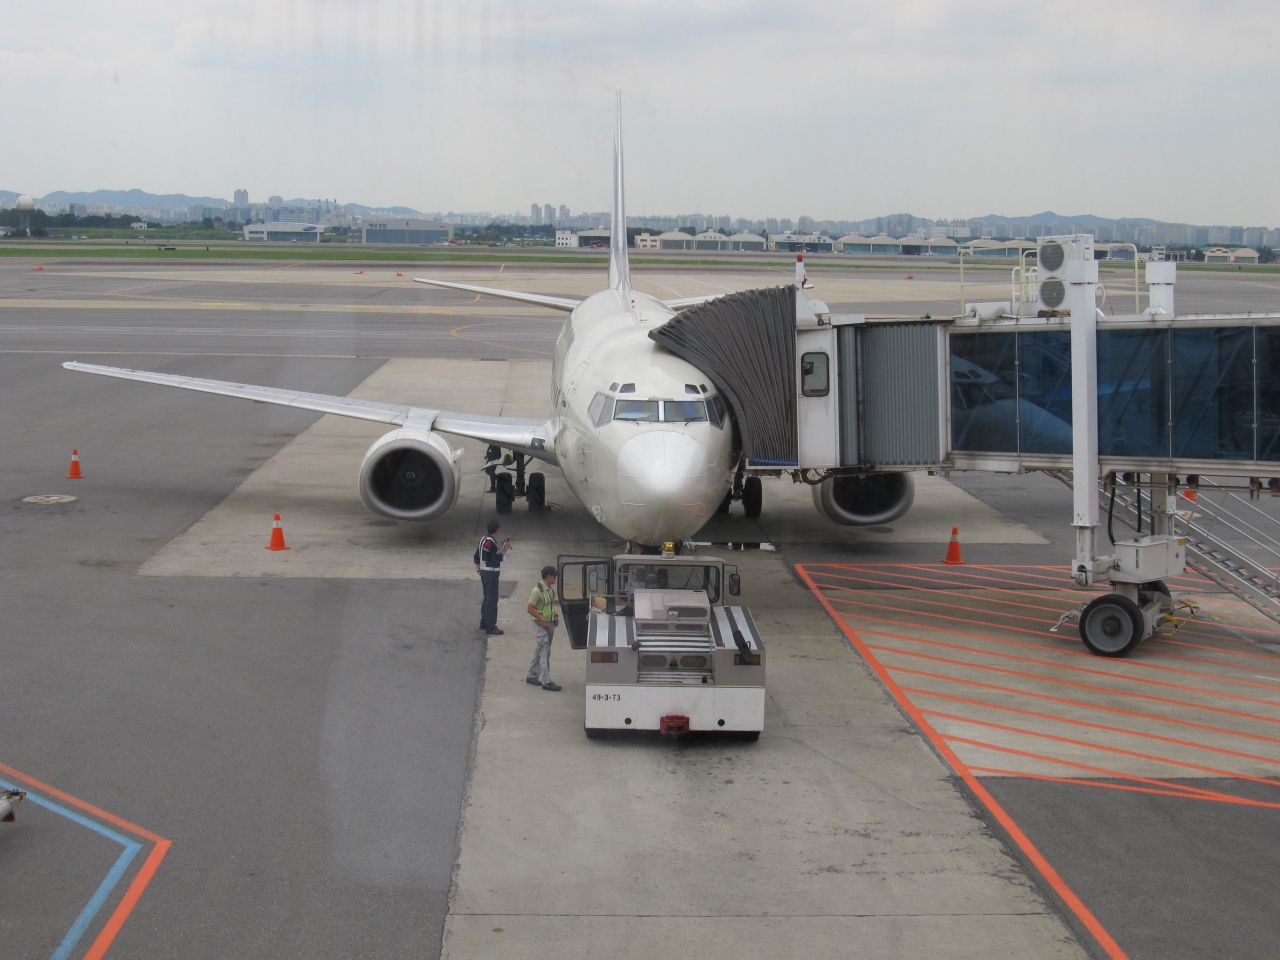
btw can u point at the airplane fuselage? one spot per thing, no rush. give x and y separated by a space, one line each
642 438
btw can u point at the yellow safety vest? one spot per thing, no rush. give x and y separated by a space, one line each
546 597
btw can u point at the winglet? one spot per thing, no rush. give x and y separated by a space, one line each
619 267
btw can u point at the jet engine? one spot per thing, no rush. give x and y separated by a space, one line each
410 474
863 501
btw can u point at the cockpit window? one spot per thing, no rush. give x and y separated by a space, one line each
601 409
639 411
684 411
627 388
715 410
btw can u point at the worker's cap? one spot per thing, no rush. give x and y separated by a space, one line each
548 571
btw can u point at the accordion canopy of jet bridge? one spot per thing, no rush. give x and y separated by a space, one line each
814 391
746 343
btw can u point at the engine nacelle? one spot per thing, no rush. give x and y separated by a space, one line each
410 474
864 501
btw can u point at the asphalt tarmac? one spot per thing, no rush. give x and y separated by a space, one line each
304 743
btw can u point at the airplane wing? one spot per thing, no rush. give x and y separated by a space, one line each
683 302
515 433
542 300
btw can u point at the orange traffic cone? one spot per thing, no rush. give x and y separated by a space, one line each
1190 494
953 549
74 473
399 274
277 535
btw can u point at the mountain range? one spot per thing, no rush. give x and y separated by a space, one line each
171 201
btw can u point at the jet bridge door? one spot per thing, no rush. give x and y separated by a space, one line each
581 581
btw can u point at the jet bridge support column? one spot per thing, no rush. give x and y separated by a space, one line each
1081 278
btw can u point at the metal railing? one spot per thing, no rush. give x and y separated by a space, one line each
1230 540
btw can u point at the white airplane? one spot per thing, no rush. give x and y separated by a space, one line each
643 438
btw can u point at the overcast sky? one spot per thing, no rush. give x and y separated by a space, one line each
844 110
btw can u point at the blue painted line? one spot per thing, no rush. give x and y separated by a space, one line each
109 882
95 902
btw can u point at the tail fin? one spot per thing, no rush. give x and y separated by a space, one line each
619 267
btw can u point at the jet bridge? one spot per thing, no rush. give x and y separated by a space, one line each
1146 404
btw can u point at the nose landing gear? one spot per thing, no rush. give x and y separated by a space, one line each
507 489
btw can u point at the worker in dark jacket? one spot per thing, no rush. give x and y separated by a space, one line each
488 560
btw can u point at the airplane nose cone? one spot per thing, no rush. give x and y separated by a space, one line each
662 482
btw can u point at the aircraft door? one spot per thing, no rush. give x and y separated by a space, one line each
582 583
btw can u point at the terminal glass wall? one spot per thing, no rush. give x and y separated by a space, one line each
1186 393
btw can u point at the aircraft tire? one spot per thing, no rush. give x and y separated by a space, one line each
506 493
752 497
536 492
724 504
1111 626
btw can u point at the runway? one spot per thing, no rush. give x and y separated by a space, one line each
342 766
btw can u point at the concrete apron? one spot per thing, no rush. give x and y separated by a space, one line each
837 834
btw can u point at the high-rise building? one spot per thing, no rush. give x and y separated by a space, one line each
564 213
549 213
242 198
275 202
535 214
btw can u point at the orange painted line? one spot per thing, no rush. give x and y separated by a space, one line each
1114 774
959 594
938 584
1088 782
1066 666
77 802
1089 706
1187 658
1229 653
1020 839
140 881
1139 661
1096 726
1059 580
1072 683
852 596
1120 751
130 900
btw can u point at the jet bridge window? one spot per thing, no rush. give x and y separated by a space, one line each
684 411
637 411
815 377
601 409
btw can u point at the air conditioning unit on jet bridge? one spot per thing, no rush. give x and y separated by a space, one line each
1063 264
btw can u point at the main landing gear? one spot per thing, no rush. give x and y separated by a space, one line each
508 489
749 490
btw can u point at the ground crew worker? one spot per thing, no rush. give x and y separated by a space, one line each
544 627
488 560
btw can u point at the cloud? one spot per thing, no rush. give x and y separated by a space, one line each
757 109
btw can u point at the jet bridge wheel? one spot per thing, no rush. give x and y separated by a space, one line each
1112 625
752 497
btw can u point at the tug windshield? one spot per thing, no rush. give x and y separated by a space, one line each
667 576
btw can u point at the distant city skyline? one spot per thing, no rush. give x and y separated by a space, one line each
831 109
181 207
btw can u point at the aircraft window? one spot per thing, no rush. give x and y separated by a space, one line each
613 388
704 387
598 403
815 377
640 411
605 414
690 388
627 388
684 411
715 410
